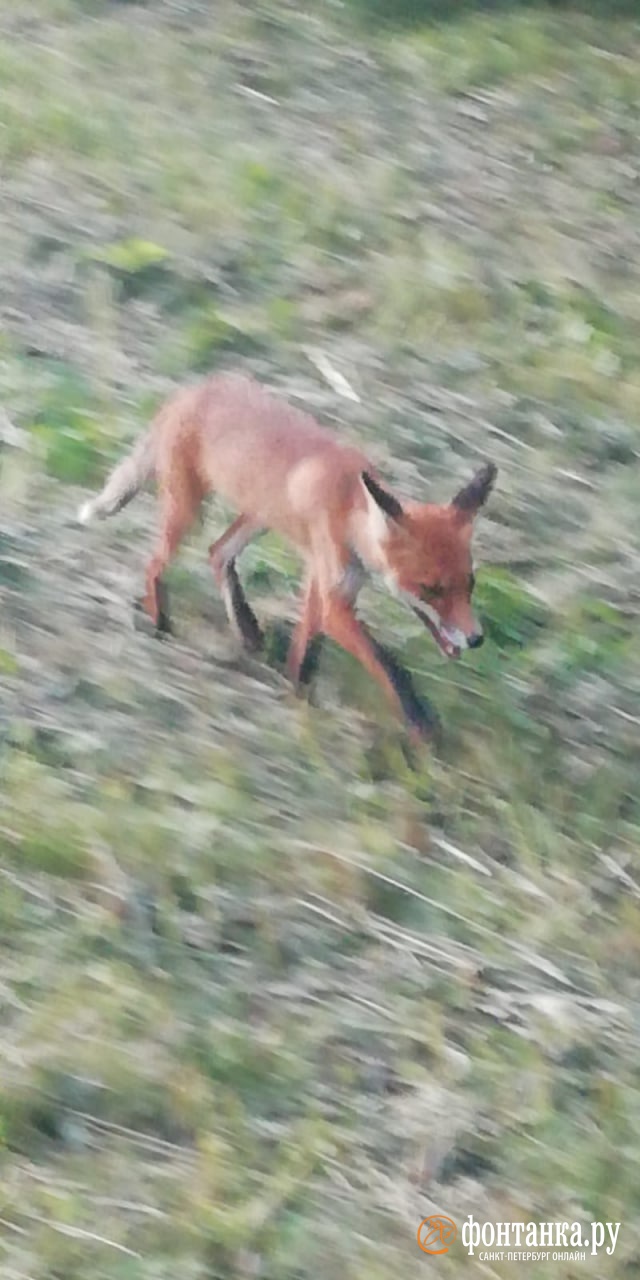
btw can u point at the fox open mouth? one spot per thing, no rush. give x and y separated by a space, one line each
443 641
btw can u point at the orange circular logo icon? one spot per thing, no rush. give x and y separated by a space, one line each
436 1234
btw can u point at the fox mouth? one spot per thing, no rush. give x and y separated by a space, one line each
439 633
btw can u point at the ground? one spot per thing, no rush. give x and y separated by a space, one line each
271 990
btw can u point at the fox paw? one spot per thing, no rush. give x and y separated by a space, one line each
144 622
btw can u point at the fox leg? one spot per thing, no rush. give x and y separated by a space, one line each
306 639
340 624
222 555
345 577
178 512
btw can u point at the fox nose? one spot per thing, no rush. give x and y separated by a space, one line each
475 640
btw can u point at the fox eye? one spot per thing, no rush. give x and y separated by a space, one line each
431 593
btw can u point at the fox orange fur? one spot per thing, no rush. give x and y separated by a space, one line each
280 470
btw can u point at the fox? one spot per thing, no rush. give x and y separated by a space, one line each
282 471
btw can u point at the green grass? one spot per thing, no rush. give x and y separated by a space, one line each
271 992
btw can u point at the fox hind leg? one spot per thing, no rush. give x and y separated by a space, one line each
306 642
222 556
177 514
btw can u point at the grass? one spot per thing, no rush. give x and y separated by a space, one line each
270 995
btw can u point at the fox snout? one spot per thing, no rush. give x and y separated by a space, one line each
450 637
459 638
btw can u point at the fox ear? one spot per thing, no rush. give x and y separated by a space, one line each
474 494
384 500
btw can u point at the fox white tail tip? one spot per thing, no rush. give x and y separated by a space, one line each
85 513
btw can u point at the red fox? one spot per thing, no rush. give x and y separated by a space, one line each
282 471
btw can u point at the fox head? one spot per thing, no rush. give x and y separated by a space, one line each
424 553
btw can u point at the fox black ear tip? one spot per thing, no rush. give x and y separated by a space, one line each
489 470
474 494
383 499
492 474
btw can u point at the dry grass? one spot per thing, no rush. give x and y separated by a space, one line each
269 996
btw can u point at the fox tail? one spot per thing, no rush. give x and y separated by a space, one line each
124 482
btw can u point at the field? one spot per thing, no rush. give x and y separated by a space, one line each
272 991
